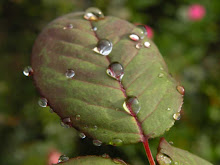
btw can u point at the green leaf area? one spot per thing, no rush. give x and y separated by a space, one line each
92 99
88 160
168 154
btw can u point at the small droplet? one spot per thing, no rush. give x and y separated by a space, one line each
70 73
147 44
163 158
105 155
134 37
103 47
28 71
161 68
97 143
67 120
170 142
95 127
138 46
42 102
82 135
93 14
177 163
115 70
180 89
132 105
176 116
63 158
160 75
78 117
64 125
69 26
51 110
94 29
116 142
168 109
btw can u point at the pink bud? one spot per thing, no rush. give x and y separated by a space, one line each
150 32
196 12
53 157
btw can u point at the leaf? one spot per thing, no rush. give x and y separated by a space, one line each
91 93
88 160
168 154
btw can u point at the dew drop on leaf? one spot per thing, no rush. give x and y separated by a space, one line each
134 37
116 142
93 14
115 70
97 143
95 127
28 71
132 105
94 29
63 158
139 31
163 158
82 135
168 109
105 155
103 47
180 89
69 26
78 117
42 102
147 44
138 46
176 116
160 75
70 73
65 122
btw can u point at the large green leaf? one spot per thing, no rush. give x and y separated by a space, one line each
168 154
91 93
96 160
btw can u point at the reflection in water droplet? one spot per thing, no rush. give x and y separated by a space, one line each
168 109
42 102
103 47
147 44
70 26
116 142
160 75
97 143
78 117
164 159
134 37
115 70
28 71
82 135
180 89
132 104
63 158
93 14
70 73
138 46
176 116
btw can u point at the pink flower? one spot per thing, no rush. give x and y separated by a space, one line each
196 12
53 157
150 32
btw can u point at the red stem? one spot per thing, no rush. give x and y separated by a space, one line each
148 152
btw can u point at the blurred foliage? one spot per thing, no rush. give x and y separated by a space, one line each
191 49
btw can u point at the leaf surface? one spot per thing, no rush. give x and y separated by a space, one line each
91 93
168 154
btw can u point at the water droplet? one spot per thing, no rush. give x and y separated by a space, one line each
103 47
94 29
177 163
138 46
93 14
180 89
82 135
64 125
105 155
163 158
63 158
132 104
171 142
78 117
51 110
97 143
70 26
134 37
28 71
95 127
147 44
168 109
70 73
42 102
116 142
115 70
176 116
160 75
67 120
161 68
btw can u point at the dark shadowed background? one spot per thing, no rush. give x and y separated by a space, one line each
188 38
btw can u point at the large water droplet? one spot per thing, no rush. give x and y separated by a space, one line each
176 116
115 70
132 104
116 142
28 71
70 73
42 102
93 14
147 44
82 135
138 33
160 75
134 37
138 45
97 143
78 117
63 158
163 158
103 47
180 89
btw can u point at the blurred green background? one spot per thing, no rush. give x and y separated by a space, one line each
28 133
